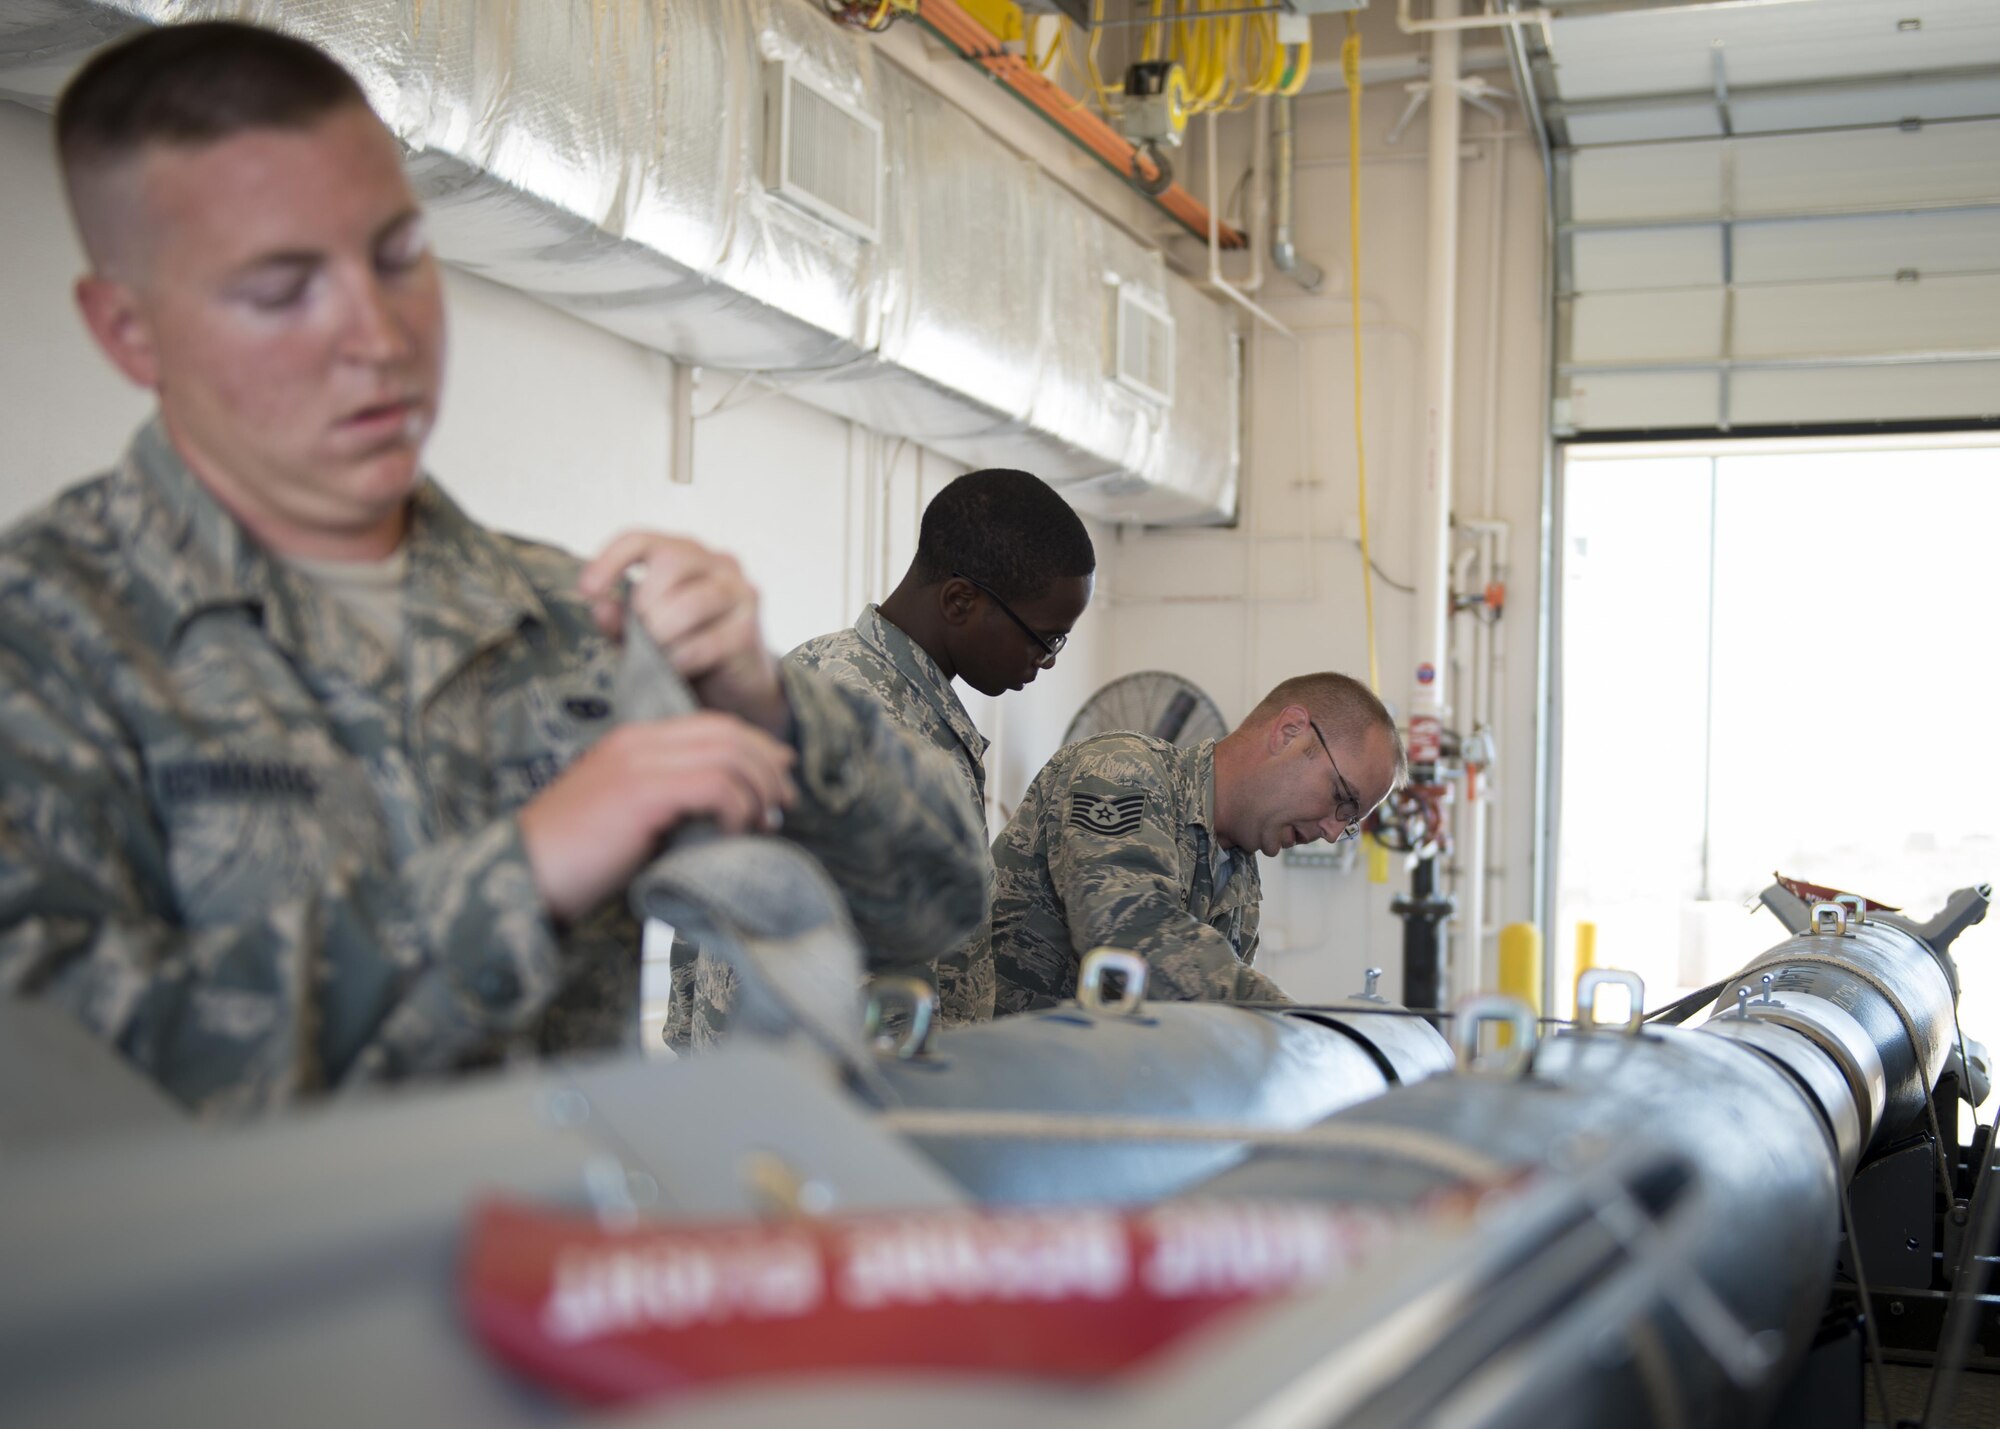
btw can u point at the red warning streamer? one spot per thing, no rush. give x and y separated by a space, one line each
614 1315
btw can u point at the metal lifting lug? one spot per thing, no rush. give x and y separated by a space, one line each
916 999
1831 919
1587 984
1508 1012
1131 970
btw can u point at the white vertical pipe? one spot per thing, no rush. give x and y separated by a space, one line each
1496 651
1496 249
1215 279
1475 971
1258 192
1469 973
1482 794
680 423
1433 516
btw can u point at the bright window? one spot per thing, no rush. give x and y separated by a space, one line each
1776 657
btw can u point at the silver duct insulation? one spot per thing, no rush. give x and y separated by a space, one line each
610 158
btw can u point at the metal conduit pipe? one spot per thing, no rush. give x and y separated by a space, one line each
1284 155
1720 1261
1426 962
1542 869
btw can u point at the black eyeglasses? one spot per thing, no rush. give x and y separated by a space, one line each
1347 806
1051 645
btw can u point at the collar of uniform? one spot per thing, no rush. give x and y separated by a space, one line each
462 568
889 640
178 536
466 590
179 539
1200 766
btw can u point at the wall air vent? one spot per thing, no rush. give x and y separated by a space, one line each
1143 345
824 155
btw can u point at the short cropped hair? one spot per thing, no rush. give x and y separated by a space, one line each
194 85
1343 707
1005 529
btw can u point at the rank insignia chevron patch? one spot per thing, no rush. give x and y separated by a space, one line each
1112 815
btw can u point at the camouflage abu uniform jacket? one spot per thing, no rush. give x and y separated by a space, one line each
1115 846
876 659
264 856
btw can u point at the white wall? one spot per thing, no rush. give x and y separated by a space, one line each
64 413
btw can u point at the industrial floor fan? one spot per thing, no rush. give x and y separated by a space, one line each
1155 702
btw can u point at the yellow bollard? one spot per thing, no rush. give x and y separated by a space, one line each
1586 957
1521 963
1521 968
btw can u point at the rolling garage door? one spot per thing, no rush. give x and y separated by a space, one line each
1810 239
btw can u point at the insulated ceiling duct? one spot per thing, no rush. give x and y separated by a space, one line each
624 160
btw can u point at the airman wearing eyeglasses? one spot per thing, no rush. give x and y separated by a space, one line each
1003 572
1128 842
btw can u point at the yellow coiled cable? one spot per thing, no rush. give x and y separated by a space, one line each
1226 60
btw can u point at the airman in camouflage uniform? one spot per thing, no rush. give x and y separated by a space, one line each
306 780
1115 845
1126 841
263 857
879 662
1003 571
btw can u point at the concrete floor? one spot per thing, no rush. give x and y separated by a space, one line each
1977 1405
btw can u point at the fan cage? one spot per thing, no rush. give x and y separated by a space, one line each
1155 702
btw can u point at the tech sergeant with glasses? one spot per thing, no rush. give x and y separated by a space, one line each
1126 841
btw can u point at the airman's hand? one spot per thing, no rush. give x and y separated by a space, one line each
591 830
701 612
